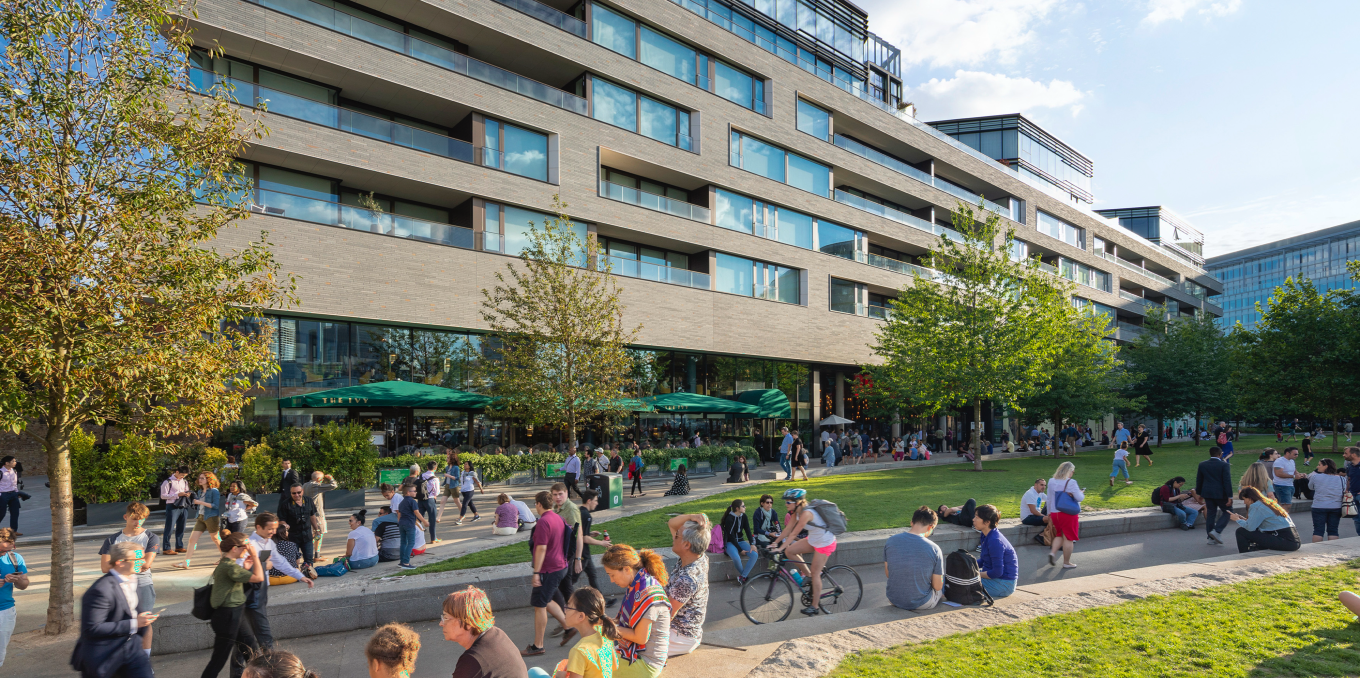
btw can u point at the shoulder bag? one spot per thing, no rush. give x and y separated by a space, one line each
1065 502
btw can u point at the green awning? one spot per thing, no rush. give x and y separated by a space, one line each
693 403
390 394
772 403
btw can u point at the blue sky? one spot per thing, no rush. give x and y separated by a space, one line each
1233 113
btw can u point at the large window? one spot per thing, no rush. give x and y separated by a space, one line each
748 215
668 56
507 229
515 150
814 121
738 275
613 31
775 163
738 87
634 112
846 296
1062 230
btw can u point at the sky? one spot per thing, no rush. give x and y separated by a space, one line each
1233 113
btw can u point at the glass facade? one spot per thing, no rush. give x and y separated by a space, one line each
1250 278
738 275
1164 227
515 150
773 162
1057 228
622 107
814 121
1027 150
742 213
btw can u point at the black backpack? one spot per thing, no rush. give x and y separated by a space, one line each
963 580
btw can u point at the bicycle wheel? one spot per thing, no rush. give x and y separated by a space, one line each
841 589
766 598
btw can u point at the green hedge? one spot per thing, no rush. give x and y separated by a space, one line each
498 467
342 450
125 473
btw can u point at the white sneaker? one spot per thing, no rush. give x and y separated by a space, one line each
1216 538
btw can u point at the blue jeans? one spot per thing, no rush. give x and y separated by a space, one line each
1284 494
1186 515
998 588
1356 517
1120 465
408 542
734 552
362 564
429 508
174 521
786 463
1326 522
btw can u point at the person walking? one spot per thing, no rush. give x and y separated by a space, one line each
287 480
1121 464
9 492
255 615
590 537
1215 487
238 507
1329 489
230 635
735 526
178 498
572 470
1267 525
1142 446
800 457
111 629
547 546
450 483
13 575
1065 524
145 539
206 499
409 520
316 489
635 468
467 482
1352 457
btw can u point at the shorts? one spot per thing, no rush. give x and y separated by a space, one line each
504 531
146 597
1066 525
209 525
449 491
825 550
681 644
638 669
542 595
857 453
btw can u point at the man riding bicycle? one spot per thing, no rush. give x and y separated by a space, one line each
820 542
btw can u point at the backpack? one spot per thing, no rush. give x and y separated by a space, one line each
1157 495
830 514
1222 438
963 580
715 541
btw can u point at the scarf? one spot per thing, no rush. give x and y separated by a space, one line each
642 594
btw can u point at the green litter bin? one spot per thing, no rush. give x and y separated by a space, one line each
610 487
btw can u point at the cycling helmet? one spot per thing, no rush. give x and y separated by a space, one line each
795 494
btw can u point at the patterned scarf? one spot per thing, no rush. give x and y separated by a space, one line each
642 594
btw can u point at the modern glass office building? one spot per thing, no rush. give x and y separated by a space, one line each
748 166
1250 275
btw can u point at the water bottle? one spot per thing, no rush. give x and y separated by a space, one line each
797 577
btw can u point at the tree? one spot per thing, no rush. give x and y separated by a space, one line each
1304 353
1183 365
564 356
1087 379
113 307
986 328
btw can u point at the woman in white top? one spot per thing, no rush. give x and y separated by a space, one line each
820 542
1065 524
361 550
467 481
239 504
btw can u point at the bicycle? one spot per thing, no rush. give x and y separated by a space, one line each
768 597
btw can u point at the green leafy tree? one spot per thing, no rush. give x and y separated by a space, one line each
564 358
1183 365
112 305
987 328
1304 353
1086 380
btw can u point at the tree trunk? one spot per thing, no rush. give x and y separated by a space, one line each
1161 430
977 434
1195 433
60 594
1336 423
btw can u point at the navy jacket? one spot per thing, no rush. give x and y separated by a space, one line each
105 644
1212 481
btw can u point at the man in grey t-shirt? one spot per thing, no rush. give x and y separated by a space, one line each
914 564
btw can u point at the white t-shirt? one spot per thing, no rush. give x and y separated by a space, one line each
1121 454
1286 465
467 480
365 544
431 480
818 535
1031 497
524 513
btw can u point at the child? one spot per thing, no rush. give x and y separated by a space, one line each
133 531
593 655
1121 464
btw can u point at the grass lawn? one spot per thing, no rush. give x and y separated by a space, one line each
1282 626
884 499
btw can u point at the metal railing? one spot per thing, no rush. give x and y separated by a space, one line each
327 213
549 15
969 197
652 201
878 312
1143 271
360 29
642 270
896 215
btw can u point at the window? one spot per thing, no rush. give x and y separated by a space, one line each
846 296
736 86
741 213
793 228
667 55
613 31
814 121
613 104
507 229
1019 250
637 113
1053 226
734 211
515 150
735 275
775 163
738 275
838 240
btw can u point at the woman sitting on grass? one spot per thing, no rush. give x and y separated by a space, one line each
681 484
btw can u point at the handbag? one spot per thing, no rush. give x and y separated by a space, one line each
1065 502
1347 505
203 608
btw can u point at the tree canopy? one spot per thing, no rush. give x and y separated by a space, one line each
1183 365
1087 379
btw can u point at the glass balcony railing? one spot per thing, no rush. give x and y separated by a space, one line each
898 216
632 268
1143 271
875 155
340 22
548 15
878 312
357 218
1128 327
1048 268
1213 308
970 197
652 201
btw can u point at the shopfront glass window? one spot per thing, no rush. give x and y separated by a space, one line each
667 55
613 104
613 31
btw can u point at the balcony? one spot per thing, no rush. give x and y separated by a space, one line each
549 15
874 311
654 202
359 29
1142 271
879 157
632 268
1213 308
356 218
1141 306
898 216
969 197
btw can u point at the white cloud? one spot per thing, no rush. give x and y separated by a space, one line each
971 93
1160 11
958 32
